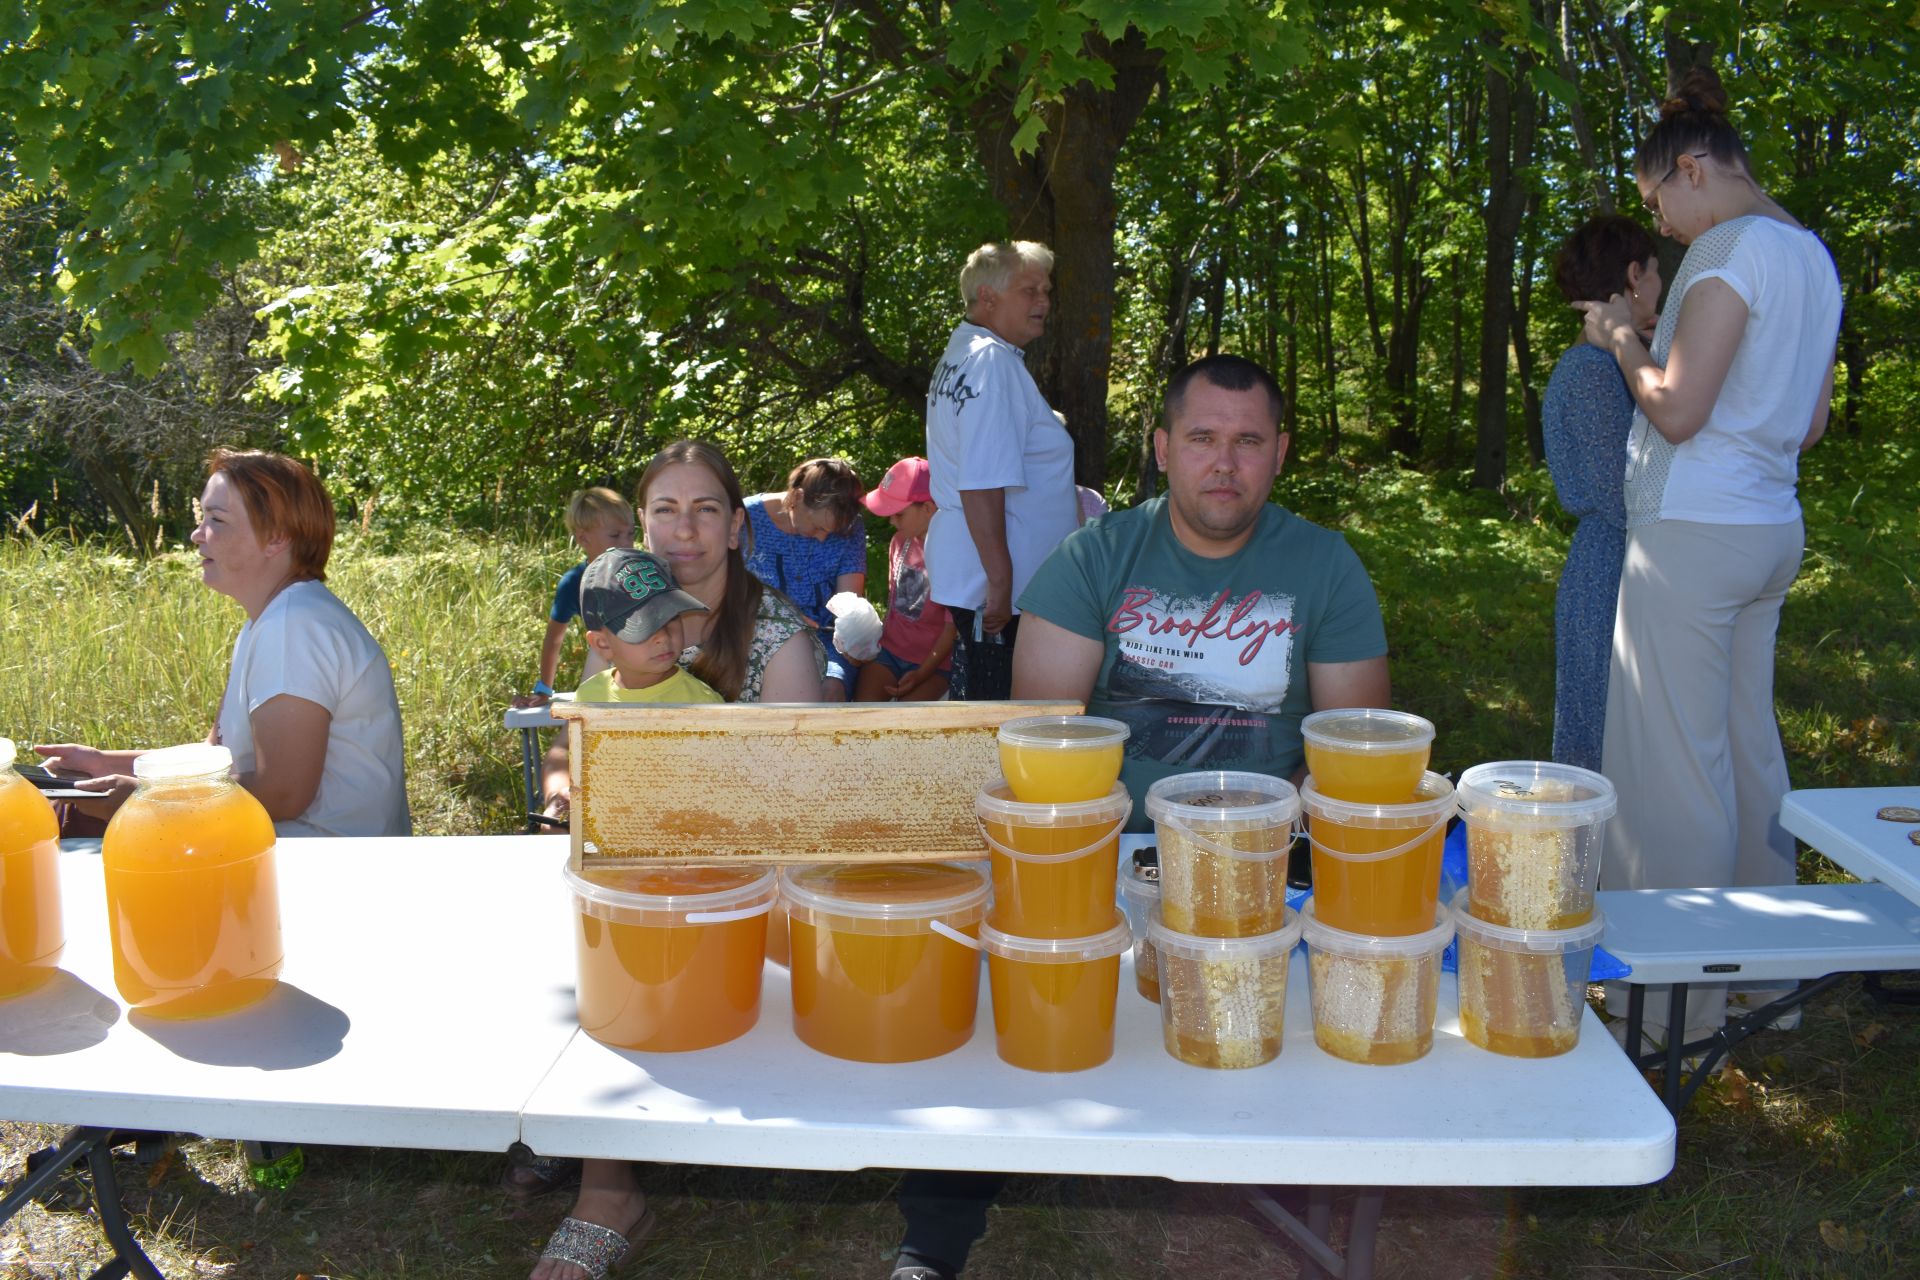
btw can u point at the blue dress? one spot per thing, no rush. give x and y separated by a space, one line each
1586 415
806 569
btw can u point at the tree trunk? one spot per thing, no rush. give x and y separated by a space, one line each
1062 194
1510 128
1329 363
1523 337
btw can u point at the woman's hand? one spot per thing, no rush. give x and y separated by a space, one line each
114 788
74 758
1608 323
909 682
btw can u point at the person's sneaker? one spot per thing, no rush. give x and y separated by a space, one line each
1740 1003
912 1268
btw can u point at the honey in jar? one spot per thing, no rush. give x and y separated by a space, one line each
1061 759
1053 998
873 981
30 930
193 902
1367 755
1054 865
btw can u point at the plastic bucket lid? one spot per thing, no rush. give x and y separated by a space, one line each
1138 889
673 895
1063 733
1227 950
1535 941
7 753
189 760
1436 804
1368 946
1367 730
1535 793
887 897
1098 946
1217 801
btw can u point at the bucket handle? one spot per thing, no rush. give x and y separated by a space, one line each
1222 851
724 917
1017 856
1383 854
946 930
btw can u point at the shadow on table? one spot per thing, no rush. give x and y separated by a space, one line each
64 1016
287 1030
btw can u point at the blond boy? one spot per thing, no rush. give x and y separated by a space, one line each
599 520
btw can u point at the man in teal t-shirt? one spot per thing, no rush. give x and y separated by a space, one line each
1209 620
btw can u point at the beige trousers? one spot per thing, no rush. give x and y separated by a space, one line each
1692 745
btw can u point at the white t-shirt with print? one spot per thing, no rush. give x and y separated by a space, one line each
1743 467
988 427
308 644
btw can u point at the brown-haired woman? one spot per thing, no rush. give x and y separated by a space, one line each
1735 387
753 646
1586 413
811 543
309 711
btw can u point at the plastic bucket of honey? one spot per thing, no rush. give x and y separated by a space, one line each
1053 998
1374 998
1053 864
1367 754
1140 895
873 980
1223 1001
1061 759
1522 991
1376 867
1534 833
1223 840
670 958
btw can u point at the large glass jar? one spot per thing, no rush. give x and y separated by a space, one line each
193 902
30 934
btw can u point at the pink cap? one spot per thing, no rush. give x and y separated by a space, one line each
907 481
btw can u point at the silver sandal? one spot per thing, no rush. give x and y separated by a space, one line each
593 1248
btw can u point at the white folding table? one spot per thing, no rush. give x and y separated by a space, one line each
428 1003
1840 823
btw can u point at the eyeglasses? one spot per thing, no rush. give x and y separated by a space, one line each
1652 202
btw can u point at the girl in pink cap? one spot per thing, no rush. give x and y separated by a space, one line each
916 640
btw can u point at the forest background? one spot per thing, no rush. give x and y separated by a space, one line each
467 257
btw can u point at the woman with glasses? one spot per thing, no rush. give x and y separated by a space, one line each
1735 387
811 543
1587 412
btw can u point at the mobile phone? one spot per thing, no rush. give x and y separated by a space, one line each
55 784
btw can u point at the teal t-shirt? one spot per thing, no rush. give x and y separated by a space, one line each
1206 659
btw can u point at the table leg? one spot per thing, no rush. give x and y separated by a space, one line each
1312 1236
95 1146
1676 1034
530 774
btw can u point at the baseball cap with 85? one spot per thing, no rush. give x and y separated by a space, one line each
632 594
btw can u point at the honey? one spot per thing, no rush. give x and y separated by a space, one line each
1534 835
1522 991
31 939
1053 999
872 980
193 902
1053 865
670 959
1061 759
1376 868
1223 840
1223 1001
1365 755
1374 998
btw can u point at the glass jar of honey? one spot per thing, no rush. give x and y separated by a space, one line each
193 901
30 932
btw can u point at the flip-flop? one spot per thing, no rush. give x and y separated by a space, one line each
593 1248
528 1176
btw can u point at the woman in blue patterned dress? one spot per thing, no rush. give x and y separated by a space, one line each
811 543
1587 413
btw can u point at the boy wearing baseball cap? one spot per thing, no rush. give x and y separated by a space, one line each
631 607
916 640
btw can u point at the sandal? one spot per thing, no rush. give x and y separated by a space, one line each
529 1176
593 1248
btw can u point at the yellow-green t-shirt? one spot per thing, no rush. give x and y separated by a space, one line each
678 687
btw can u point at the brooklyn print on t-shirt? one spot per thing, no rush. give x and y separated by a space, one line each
1197 678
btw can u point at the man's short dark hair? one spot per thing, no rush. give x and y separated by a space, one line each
1229 373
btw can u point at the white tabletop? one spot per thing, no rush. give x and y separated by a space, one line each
427 987
1839 822
1760 933
427 1002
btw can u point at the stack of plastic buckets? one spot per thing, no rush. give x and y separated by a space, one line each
1222 933
1375 929
1054 935
1527 921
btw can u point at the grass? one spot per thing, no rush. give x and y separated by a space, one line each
1799 1163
